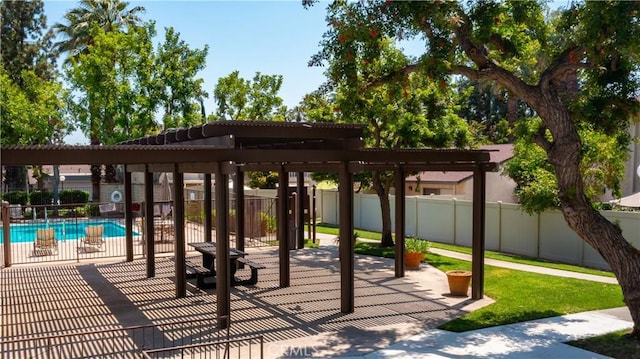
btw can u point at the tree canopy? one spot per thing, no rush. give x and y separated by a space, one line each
249 100
109 15
413 113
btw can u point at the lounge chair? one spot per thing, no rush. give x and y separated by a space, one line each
46 242
15 212
93 237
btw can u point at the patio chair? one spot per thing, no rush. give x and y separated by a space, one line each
93 237
15 212
163 230
46 242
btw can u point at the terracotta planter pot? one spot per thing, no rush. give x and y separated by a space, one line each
459 282
412 260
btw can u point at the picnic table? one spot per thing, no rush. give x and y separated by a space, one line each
207 269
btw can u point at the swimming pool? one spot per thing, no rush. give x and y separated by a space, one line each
67 230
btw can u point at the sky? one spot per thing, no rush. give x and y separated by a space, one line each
272 37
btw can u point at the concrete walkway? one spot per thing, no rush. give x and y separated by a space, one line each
528 268
542 338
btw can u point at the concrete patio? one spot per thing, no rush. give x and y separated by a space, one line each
301 320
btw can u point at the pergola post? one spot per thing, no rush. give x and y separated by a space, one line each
148 223
238 186
400 221
346 246
178 235
207 208
299 215
477 246
128 216
282 228
223 266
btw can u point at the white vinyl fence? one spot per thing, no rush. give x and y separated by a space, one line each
508 228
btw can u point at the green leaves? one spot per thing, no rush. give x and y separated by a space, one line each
114 86
180 91
245 100
31 114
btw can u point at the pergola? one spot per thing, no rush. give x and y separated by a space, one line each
230 148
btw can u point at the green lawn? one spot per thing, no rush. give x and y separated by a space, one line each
520 296
618 344
525 260
488 254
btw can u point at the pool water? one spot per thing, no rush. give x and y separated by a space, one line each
68 230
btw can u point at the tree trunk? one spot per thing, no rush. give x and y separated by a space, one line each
110 174
96 175
512 115
385 208
16 178
588 223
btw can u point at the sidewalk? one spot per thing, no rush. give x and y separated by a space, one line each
527 267
543 338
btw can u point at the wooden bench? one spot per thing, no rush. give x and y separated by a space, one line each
199 272
254 271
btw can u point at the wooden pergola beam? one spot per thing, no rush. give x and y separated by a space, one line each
169 154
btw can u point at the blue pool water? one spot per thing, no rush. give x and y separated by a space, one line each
70 230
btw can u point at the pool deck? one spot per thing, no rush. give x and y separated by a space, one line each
47 299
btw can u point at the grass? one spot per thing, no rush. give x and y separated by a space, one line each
618 344
519 295
328 229
488 254
525 260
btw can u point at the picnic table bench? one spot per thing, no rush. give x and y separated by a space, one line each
207 269
254 271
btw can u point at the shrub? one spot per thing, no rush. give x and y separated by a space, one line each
92 210
73 196
267 223
416 245
41 197
16 197
81 211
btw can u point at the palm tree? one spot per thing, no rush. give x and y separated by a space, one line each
111 16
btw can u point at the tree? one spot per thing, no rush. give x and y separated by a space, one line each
181 92
256 100
77 32
25 46
513 44
485 107
31 100
414 113
114 86
110 15
262 179
244 100
31 115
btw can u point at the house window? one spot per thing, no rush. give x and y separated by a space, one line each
429 191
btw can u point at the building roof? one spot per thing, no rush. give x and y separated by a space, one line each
632 201
499 154
69 170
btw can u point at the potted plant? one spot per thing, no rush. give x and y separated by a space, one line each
459 282
415 249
